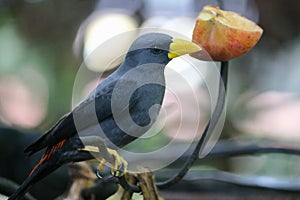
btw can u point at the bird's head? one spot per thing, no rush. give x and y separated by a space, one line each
158 48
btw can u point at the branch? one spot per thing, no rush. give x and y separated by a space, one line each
7 187
207 132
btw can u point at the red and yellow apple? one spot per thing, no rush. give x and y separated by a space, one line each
223 34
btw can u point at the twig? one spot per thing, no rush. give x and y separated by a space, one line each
193 177
7 187
131 179
89 192
220 4
230 148
127 186
207 132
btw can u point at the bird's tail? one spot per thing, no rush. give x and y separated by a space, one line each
39 173
21 191
41 170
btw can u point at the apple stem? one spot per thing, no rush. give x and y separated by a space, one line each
220 4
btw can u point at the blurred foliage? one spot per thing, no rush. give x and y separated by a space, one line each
38 35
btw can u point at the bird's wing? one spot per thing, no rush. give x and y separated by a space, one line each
53 135
89 112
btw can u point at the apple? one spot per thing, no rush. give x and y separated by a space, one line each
224 35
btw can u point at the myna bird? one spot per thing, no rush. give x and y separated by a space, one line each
140 76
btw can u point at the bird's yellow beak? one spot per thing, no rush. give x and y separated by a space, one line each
179 47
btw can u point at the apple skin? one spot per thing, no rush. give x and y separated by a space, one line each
224 35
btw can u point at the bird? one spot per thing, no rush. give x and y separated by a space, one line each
120 109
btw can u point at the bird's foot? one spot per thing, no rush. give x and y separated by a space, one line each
118 168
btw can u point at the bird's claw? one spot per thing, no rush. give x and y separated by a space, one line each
99 176
118 168
120 171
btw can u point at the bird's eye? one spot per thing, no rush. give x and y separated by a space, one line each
156 50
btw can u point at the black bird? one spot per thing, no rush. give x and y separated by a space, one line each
119 110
